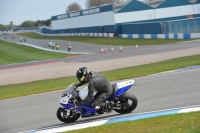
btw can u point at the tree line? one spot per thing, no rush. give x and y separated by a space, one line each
36 23
89 3
4 27
27 24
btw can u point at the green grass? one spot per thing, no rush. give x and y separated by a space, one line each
178 123
143 70
14 53
116 41
11 91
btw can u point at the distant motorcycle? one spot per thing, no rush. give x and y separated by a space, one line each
72 106
69 47
50 44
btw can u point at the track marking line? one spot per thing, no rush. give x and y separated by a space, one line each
129 117
29 65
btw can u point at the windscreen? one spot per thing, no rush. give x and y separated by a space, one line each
69 90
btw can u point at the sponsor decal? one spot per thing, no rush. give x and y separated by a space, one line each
125 83
75 14
122 84
62 16
95 10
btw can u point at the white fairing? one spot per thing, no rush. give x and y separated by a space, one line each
124 84
64 100
84 92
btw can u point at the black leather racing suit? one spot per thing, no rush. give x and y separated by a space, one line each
100 84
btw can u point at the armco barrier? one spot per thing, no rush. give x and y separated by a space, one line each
79 34
162 36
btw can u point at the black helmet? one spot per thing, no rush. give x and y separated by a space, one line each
82 73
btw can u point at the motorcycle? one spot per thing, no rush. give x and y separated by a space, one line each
72 106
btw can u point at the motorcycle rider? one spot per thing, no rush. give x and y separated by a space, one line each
95 82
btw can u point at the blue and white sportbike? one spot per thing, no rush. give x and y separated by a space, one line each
72 106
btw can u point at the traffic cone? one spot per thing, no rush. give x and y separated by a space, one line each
136 47
120 49
102 50
112 50
105 50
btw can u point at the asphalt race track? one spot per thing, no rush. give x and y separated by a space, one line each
154 92
90 48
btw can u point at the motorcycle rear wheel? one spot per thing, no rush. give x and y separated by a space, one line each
61 112
126 107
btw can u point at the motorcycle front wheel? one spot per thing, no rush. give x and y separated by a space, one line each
62 115
126 103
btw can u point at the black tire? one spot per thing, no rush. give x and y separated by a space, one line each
124 98
71 118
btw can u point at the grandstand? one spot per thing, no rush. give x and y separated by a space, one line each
130 17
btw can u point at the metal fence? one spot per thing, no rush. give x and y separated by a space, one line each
181 26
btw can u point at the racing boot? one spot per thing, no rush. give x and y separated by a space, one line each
109 106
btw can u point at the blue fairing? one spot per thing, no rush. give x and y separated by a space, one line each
122 90
88 110
67 106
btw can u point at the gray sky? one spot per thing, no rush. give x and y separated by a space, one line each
19 11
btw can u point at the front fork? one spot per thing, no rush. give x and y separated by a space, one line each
71 108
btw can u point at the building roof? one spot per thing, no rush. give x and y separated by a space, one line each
198 1
192 1
120 4
134 5
152 3
172 3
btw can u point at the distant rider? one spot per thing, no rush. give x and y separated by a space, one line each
53 45
20 39
95 82
57 46
69 47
